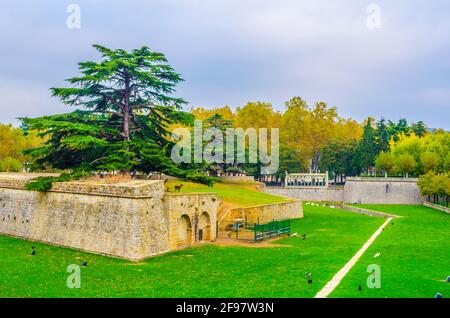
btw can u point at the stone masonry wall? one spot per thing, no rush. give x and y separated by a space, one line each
359 190
191 218
132 219
382 191
308 194
128 227
266 213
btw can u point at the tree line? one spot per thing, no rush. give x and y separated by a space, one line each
316 139
125 110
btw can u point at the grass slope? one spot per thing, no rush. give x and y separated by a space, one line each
241 194
333 236
414 260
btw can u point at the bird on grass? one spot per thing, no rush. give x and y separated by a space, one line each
33 251
359 288
308 277
83 263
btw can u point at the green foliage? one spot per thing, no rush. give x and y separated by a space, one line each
430 161
405 163
385 162
337 158
45 183
13 141
10 164
290 161
419 155
367 149
436 184
126 107
383 136
419 128
399 128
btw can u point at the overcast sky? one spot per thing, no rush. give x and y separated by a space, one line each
233 51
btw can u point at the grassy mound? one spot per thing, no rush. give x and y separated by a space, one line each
240 194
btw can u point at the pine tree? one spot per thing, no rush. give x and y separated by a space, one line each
125 106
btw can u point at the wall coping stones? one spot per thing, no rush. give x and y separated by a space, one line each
140 189
381 179
133 188
437 207
190 193
308 188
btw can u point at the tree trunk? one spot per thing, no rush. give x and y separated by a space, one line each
126 123
126 109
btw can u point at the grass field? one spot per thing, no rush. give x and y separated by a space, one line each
240 194
333 236
414 259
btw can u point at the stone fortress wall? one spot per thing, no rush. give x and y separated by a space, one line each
133 220
359 190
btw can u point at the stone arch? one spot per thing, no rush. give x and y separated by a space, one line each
204 227
184 230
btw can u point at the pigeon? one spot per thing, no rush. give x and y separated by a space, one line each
308 276
377 255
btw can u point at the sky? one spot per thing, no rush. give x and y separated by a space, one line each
386 59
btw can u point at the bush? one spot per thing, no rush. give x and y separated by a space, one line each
45 183
385 162
10 164
436 185
406 164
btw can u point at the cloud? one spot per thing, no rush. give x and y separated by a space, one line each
231 51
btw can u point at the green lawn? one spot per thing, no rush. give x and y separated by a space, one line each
333 236
241 194
414 260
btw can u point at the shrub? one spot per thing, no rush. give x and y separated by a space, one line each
10 164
